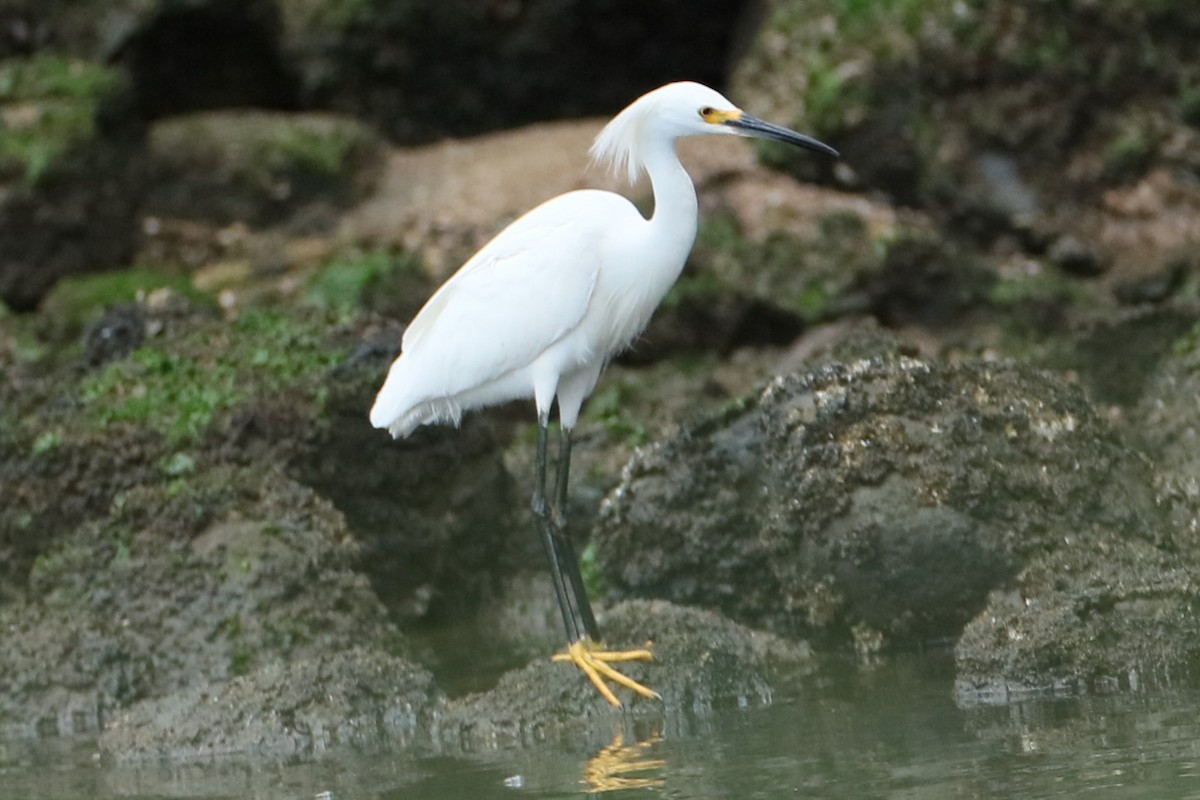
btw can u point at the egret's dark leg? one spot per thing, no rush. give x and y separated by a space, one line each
583 635
568 561
563 585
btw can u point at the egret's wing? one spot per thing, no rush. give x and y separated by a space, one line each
526 289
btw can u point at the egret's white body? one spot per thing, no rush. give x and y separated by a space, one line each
542 307
536 312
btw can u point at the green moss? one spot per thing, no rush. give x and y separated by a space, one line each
1045 286
835 100
27 348
805 274
175 395
610 407
285 635
47 566
589 567
254 150
827 41
177 465
815 299
1188 343
696 286
178 393
1132 149
76 299
45 442
343 284
321 152
50 76
48 107
241 660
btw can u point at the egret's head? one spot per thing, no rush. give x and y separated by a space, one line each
682 109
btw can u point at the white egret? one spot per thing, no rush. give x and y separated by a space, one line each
544 305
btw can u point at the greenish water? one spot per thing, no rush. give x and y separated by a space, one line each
888 731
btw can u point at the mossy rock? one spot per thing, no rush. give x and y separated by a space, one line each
48 111
913 91
78 300
1119 614
805 274
69 179
258 167
287 391
182 585
394 284
178 388
737 286
81 436
883 495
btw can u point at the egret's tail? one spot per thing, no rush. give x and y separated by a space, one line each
397 410
391 406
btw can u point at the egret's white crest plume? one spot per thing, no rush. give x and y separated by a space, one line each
542 307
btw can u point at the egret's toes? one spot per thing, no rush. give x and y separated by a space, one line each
594 660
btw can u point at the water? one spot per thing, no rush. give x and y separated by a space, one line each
887 731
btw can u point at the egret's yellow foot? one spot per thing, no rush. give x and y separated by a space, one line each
594 660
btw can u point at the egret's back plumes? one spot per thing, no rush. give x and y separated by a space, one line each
618 146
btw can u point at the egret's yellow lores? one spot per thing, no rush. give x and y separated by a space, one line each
542 307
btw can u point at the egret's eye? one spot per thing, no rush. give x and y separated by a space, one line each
706 113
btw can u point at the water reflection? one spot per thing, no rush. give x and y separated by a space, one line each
618 766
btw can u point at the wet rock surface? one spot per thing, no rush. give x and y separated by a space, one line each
369 699
701 660
882 494
356 696
1095 616
234 572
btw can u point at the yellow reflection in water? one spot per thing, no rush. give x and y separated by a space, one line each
614 766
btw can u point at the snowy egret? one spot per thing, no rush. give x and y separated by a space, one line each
544 305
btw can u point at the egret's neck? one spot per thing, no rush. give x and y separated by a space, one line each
674 218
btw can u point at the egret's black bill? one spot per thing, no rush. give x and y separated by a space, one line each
753 126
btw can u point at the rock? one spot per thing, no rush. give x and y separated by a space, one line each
230 571
771 250
1167 423
272 391
1070 254
427 70
701 661
1117 352
982 113
886 494
117 333
1155 287
418 71
357 697
1095 616
258 167
54 483
69 179
86 435
368 699
436 513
